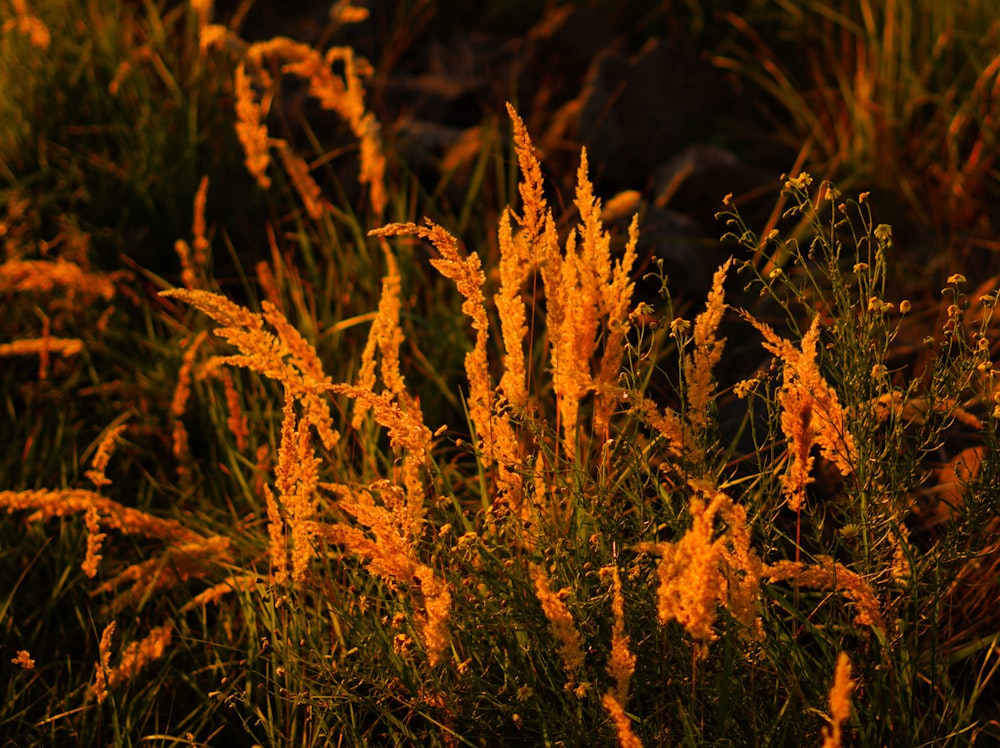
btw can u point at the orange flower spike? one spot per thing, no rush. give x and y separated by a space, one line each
95 538
561 624
698 365
621 664
251 133
64 502
534 207
198 231
278 546
811 411
307 188
139 654
103 667
469 279
623 725
386 337
510 306
840 702
103 456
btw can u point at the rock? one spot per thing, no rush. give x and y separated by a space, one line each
696 180
644 109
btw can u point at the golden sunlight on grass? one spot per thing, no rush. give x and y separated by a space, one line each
470 478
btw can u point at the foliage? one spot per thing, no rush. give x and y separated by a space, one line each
899 96
337 500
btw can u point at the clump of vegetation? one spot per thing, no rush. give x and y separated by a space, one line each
307 513
896 96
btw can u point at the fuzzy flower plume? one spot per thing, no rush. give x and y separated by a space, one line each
342 93
252 133
303 183
65 502
617 298
493 428
840 702
587 293
283 355
239 583
469 278
827 574
42 346
621 665
385 539
178 405
287 357
561 624
668 424
45 276
701 570
575 286
385 337
706 354
296 478
178 564
135 656
623 725
102 456
193 261
811 413
95 538
189 555
520 253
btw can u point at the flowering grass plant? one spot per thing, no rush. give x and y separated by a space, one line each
305 516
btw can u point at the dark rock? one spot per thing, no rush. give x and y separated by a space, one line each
643 110
696 180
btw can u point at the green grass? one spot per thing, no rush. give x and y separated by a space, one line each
895 96
343 655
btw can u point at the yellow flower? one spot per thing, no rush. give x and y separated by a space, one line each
23 660
800 182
